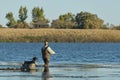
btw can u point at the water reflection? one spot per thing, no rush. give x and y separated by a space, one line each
32 71
46 74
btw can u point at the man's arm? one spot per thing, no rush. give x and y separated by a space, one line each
51 51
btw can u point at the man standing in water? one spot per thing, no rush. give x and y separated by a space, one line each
46 52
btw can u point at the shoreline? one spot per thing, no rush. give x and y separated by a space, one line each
59 35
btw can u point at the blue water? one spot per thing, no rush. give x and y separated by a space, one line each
65 52
73 61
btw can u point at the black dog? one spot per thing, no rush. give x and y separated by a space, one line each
29 65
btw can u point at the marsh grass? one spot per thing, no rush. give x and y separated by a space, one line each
59 35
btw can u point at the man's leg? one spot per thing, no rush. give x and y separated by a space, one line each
46 65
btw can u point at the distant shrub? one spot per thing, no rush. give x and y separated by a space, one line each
1 26
21 25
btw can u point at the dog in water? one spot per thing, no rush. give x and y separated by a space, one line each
29 65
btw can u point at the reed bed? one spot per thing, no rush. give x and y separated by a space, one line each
59 35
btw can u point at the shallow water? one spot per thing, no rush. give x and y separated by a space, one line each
66 72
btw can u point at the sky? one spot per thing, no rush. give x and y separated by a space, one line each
108 10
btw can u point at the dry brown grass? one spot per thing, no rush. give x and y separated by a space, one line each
59 35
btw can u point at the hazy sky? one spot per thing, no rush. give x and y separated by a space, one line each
108 10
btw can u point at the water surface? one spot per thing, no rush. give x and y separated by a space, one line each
73 61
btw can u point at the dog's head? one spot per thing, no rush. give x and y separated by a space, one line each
34 59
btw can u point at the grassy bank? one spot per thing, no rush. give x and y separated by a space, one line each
59 35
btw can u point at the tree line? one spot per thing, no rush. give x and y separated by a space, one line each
81 20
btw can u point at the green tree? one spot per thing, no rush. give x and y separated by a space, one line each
67 17
22 14
87 20
65 21
38 18
38 15
22 17
11 19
